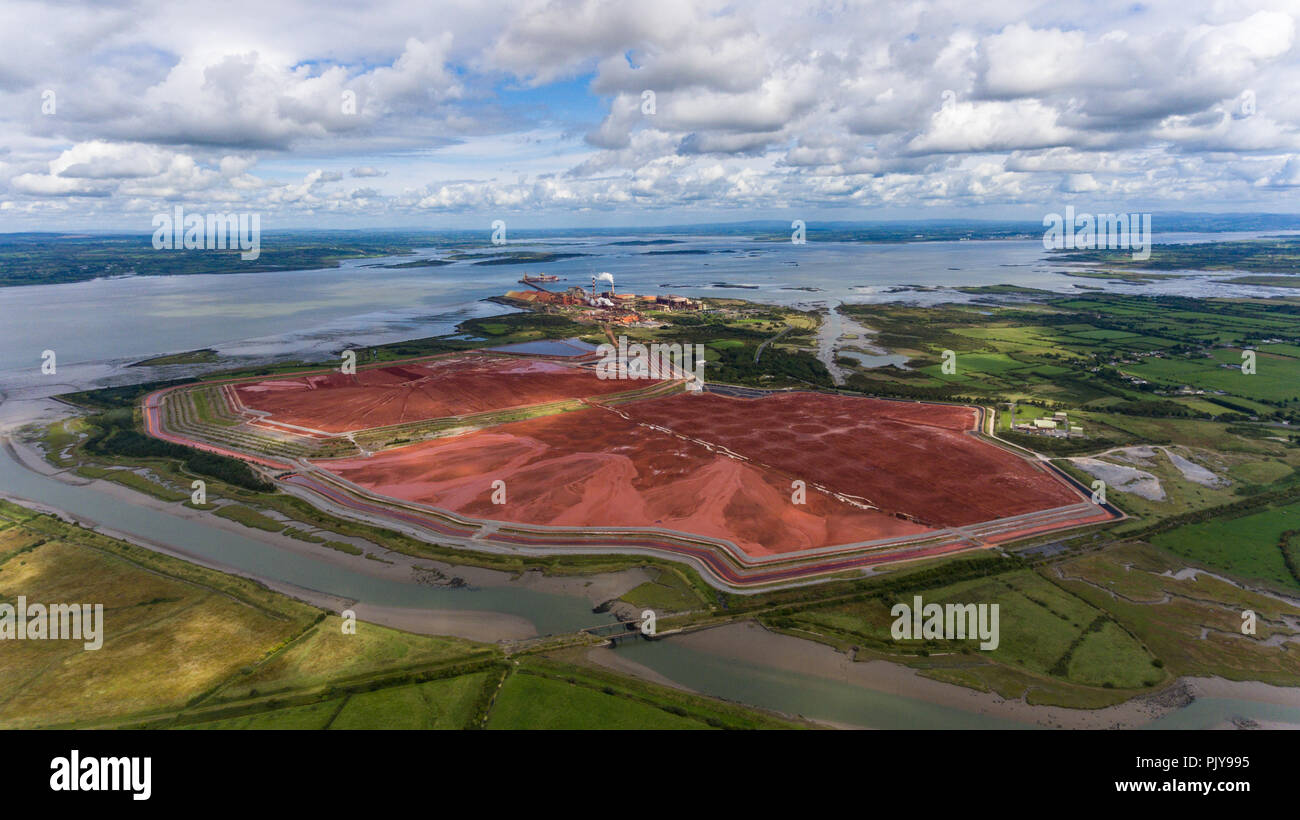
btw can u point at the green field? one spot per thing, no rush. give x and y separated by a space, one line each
326 654
1245 546
138 482
439 704
1078 352
250 517
1276 378
1261 472
1193 625
533 702
173 631
308 716
1047 635
1110 656
669 592
203 356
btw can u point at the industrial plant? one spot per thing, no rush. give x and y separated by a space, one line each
602 303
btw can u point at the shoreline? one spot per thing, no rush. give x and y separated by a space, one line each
748 642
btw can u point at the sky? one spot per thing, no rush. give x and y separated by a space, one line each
592 112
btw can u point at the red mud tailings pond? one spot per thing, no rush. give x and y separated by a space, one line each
452 386
591 468
916 459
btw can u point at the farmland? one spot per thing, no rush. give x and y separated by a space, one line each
188 647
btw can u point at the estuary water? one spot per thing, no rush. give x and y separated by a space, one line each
99 327
843 703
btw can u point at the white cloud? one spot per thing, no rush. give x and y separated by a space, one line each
966 127
44 185
536 105
1079 184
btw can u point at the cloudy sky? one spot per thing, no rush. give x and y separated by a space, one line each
588 112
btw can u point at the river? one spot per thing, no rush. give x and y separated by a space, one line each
548 612
813 691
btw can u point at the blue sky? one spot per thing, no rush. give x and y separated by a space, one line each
534 111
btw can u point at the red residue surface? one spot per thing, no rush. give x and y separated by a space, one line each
905 457
460 385
592 468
